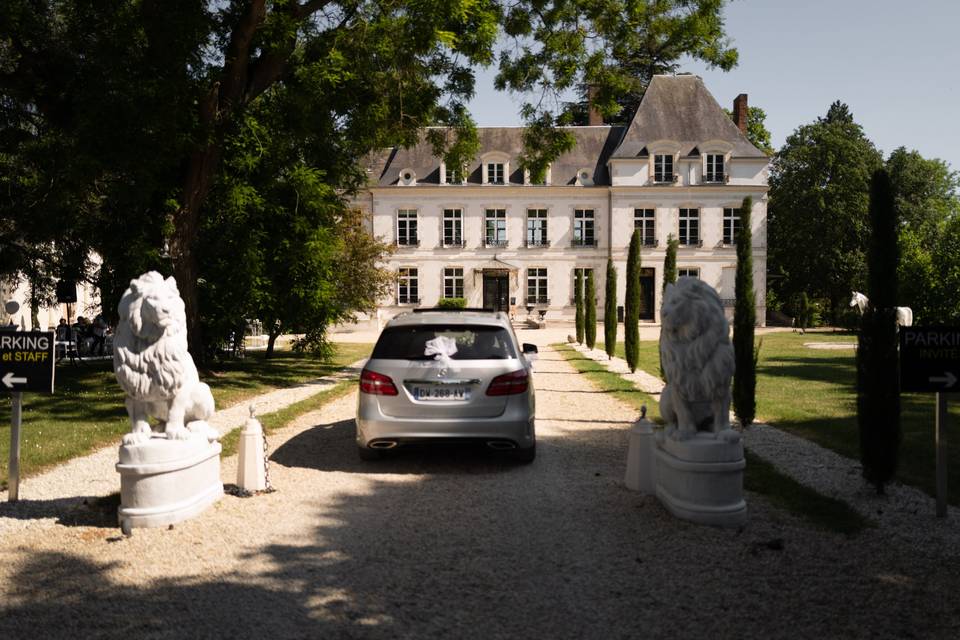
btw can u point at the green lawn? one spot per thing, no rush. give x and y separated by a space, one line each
760 477
87 409
810 392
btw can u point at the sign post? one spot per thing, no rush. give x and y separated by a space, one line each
942 455
930 362
13 482
26 364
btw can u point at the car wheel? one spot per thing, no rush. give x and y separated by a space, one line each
524 456
368 454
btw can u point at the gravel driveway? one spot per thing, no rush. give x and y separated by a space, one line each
458 544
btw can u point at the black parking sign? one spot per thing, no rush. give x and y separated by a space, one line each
26 361
930 359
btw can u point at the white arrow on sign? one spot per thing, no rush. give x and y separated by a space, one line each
10 380
948 379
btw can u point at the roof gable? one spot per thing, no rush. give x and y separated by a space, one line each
679 108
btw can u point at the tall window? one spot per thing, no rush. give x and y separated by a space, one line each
688 272
663 168
690 226
714 168
643 219
495 172
536 227
537 286
496 225
731 225
407 227
583 228
453 282
452 228
407 289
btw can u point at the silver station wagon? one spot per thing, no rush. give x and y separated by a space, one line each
448 375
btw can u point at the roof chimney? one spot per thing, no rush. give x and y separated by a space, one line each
595 118
740 112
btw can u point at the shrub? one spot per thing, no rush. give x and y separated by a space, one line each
590 313
631 320
610 311
452 303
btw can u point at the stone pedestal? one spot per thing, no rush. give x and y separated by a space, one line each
701 479
641 463
251 473
166 481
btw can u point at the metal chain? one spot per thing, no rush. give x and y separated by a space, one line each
266 464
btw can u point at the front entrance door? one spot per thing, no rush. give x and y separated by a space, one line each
496 292
646 293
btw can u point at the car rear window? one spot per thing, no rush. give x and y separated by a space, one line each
474 342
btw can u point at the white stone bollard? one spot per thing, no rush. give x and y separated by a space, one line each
641 458
251 474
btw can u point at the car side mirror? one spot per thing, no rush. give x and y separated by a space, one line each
529 348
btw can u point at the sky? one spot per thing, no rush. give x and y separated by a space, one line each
896 64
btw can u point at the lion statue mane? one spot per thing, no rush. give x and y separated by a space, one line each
697 360
153 366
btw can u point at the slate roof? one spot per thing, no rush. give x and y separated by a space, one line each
680 108
677 108
593 148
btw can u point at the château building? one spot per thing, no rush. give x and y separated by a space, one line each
682 167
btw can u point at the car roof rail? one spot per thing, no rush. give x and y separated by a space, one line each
458 310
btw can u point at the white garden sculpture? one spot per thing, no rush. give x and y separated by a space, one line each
697 360
698 459
173 473
904 314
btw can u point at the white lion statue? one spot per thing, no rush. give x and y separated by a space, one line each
697 360
153 366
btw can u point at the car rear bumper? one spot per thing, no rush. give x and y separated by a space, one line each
516 424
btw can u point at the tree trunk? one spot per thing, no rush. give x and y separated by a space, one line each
271 341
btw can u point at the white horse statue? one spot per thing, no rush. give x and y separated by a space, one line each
904 314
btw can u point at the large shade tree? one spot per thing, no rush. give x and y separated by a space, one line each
817 219
125 110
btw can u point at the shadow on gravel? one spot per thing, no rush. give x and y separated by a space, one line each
89 511
332 447
58 595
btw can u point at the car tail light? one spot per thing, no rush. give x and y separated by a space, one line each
509 384
376 384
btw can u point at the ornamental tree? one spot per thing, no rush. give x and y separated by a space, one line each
670 262
610 311
578 302
744 320
878 381
631 320
590 315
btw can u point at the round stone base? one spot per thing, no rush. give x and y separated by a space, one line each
167 481
701 479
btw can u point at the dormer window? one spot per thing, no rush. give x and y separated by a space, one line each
714 171
495 173
663 168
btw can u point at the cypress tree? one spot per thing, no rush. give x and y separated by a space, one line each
590 315
578 301
878 382
670 262
631 324
744 320
610 311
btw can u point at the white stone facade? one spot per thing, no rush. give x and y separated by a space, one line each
613 189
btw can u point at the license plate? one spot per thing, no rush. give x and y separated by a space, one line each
441 392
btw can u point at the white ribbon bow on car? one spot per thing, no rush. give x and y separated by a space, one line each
442 349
